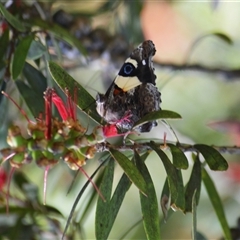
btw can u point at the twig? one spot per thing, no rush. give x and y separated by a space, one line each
226 74
184 147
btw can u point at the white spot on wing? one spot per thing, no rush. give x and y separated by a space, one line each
127 83
143 62
132 61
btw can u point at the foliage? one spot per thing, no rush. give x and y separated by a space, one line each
25 61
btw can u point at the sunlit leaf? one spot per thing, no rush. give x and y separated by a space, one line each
213 158
36 80
11 19
161 114
29 95
130 170
179 158
149 203
85 101
216 202
194 184
174 178
104 218
20 55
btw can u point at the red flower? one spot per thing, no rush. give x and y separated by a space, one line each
65 110
3 178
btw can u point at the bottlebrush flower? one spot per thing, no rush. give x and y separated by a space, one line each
3 178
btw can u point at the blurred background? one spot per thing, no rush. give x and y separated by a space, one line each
197 65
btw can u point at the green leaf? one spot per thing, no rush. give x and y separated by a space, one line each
11 19
194 216
194 184
30 98
165 196
216 202
78 199
59 32
4 42
174 179
130 169
117 199
213 158
85 101
223 37
123 186
36 79
20 55
161 114
179 159
36 50
104 219
200 236
149 204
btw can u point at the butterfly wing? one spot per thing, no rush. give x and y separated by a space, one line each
133 91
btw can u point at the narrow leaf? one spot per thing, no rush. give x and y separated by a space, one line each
28 95
180 202
161 114
20 55
200 236
36 50
36 79
130 169
149 204
179 159
194 216
85 101
216 202
213 158
164 201
194 184
123 186
11 19
104 219
78 199
223 37
174 180
4 42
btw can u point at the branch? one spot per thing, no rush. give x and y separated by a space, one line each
226 74
145 147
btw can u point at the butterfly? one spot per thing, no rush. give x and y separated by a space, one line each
133 93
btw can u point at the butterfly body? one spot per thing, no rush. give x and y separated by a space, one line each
133 93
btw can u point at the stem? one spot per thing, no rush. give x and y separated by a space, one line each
91 181
102 147
20 109
45 184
